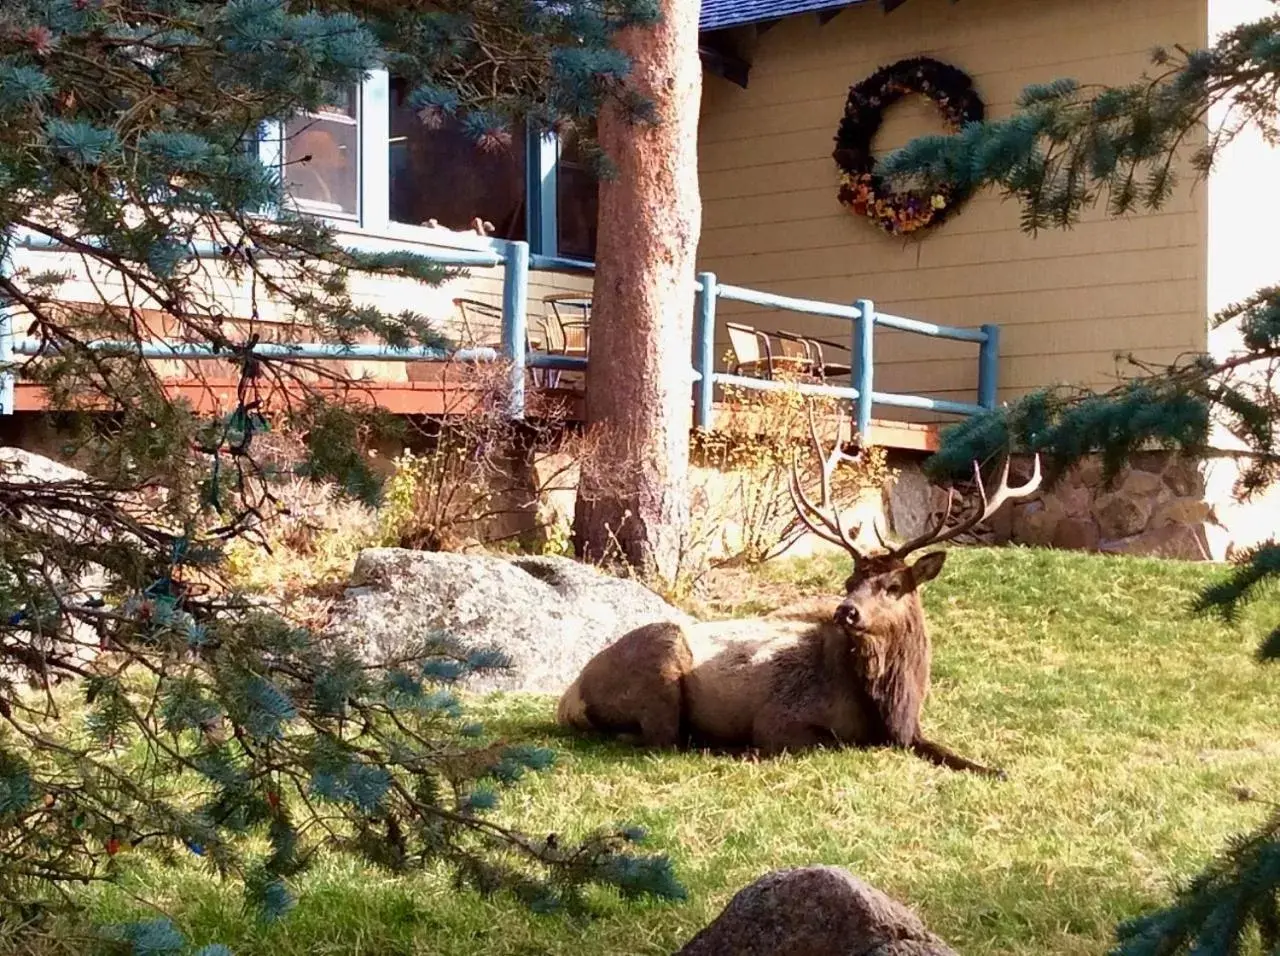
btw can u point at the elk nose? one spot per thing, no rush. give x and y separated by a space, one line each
847 615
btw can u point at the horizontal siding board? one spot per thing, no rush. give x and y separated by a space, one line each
1062 273
789 201
962 242
801 113
1010 35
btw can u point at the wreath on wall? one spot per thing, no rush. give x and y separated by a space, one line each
867 194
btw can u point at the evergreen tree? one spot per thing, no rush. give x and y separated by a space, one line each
1068 148
128 131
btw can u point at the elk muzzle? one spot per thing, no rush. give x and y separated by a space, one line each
848 616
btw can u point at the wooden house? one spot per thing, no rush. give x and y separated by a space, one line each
1071 306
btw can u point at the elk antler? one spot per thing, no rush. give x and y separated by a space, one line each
829 526
990 505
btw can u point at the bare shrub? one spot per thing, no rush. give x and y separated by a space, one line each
476 482
748 458
301 556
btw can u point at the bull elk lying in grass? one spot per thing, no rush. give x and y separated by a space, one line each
851 671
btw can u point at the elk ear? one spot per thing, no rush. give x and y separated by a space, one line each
927 568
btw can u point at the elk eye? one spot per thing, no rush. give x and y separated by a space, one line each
893 589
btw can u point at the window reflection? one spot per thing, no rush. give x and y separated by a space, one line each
441 175
322 157
576 203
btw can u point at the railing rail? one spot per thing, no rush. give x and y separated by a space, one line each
517 263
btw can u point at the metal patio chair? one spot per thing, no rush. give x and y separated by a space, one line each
481 323
754 354
812 347
566 323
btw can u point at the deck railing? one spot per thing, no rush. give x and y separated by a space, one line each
864 320
517 264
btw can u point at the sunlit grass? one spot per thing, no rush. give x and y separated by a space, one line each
1125 724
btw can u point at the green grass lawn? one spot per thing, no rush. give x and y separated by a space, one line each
1127 728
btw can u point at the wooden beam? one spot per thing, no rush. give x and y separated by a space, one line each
437 397
542 166
826 16
724 64
219 396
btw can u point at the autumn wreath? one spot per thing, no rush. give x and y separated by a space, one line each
865 193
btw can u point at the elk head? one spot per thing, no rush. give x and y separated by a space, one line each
881 595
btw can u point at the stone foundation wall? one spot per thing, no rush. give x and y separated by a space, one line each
1154 507
1157 506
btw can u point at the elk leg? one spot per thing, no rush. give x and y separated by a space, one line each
635 686
771 734
940 755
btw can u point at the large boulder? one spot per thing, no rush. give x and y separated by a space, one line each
548 615
815 911
19 467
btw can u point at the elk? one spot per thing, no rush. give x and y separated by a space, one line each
851 671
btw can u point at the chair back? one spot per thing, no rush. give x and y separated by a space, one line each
481 322
567 322
745 342
787 347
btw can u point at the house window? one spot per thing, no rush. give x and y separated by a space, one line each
442 175
321 156
577 203
368 156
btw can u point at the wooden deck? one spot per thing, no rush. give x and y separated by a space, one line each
439 395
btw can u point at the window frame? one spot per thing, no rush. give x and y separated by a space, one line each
373 164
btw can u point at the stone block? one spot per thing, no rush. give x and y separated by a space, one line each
1121 514
1036 522
1088 473
1141 483
1077 501
1076 534
1188 511
1184 478
1172 541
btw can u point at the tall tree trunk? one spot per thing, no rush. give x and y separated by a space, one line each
633 495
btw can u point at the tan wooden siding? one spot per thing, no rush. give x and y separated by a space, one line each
1070 303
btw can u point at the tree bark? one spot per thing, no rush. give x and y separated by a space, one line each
633 494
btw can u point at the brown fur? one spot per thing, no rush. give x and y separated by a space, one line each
806 675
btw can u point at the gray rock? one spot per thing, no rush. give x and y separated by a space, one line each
815 911
1121 514
549 615
911 499
20 466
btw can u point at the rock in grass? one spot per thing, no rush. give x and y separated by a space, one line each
547 615
815 911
